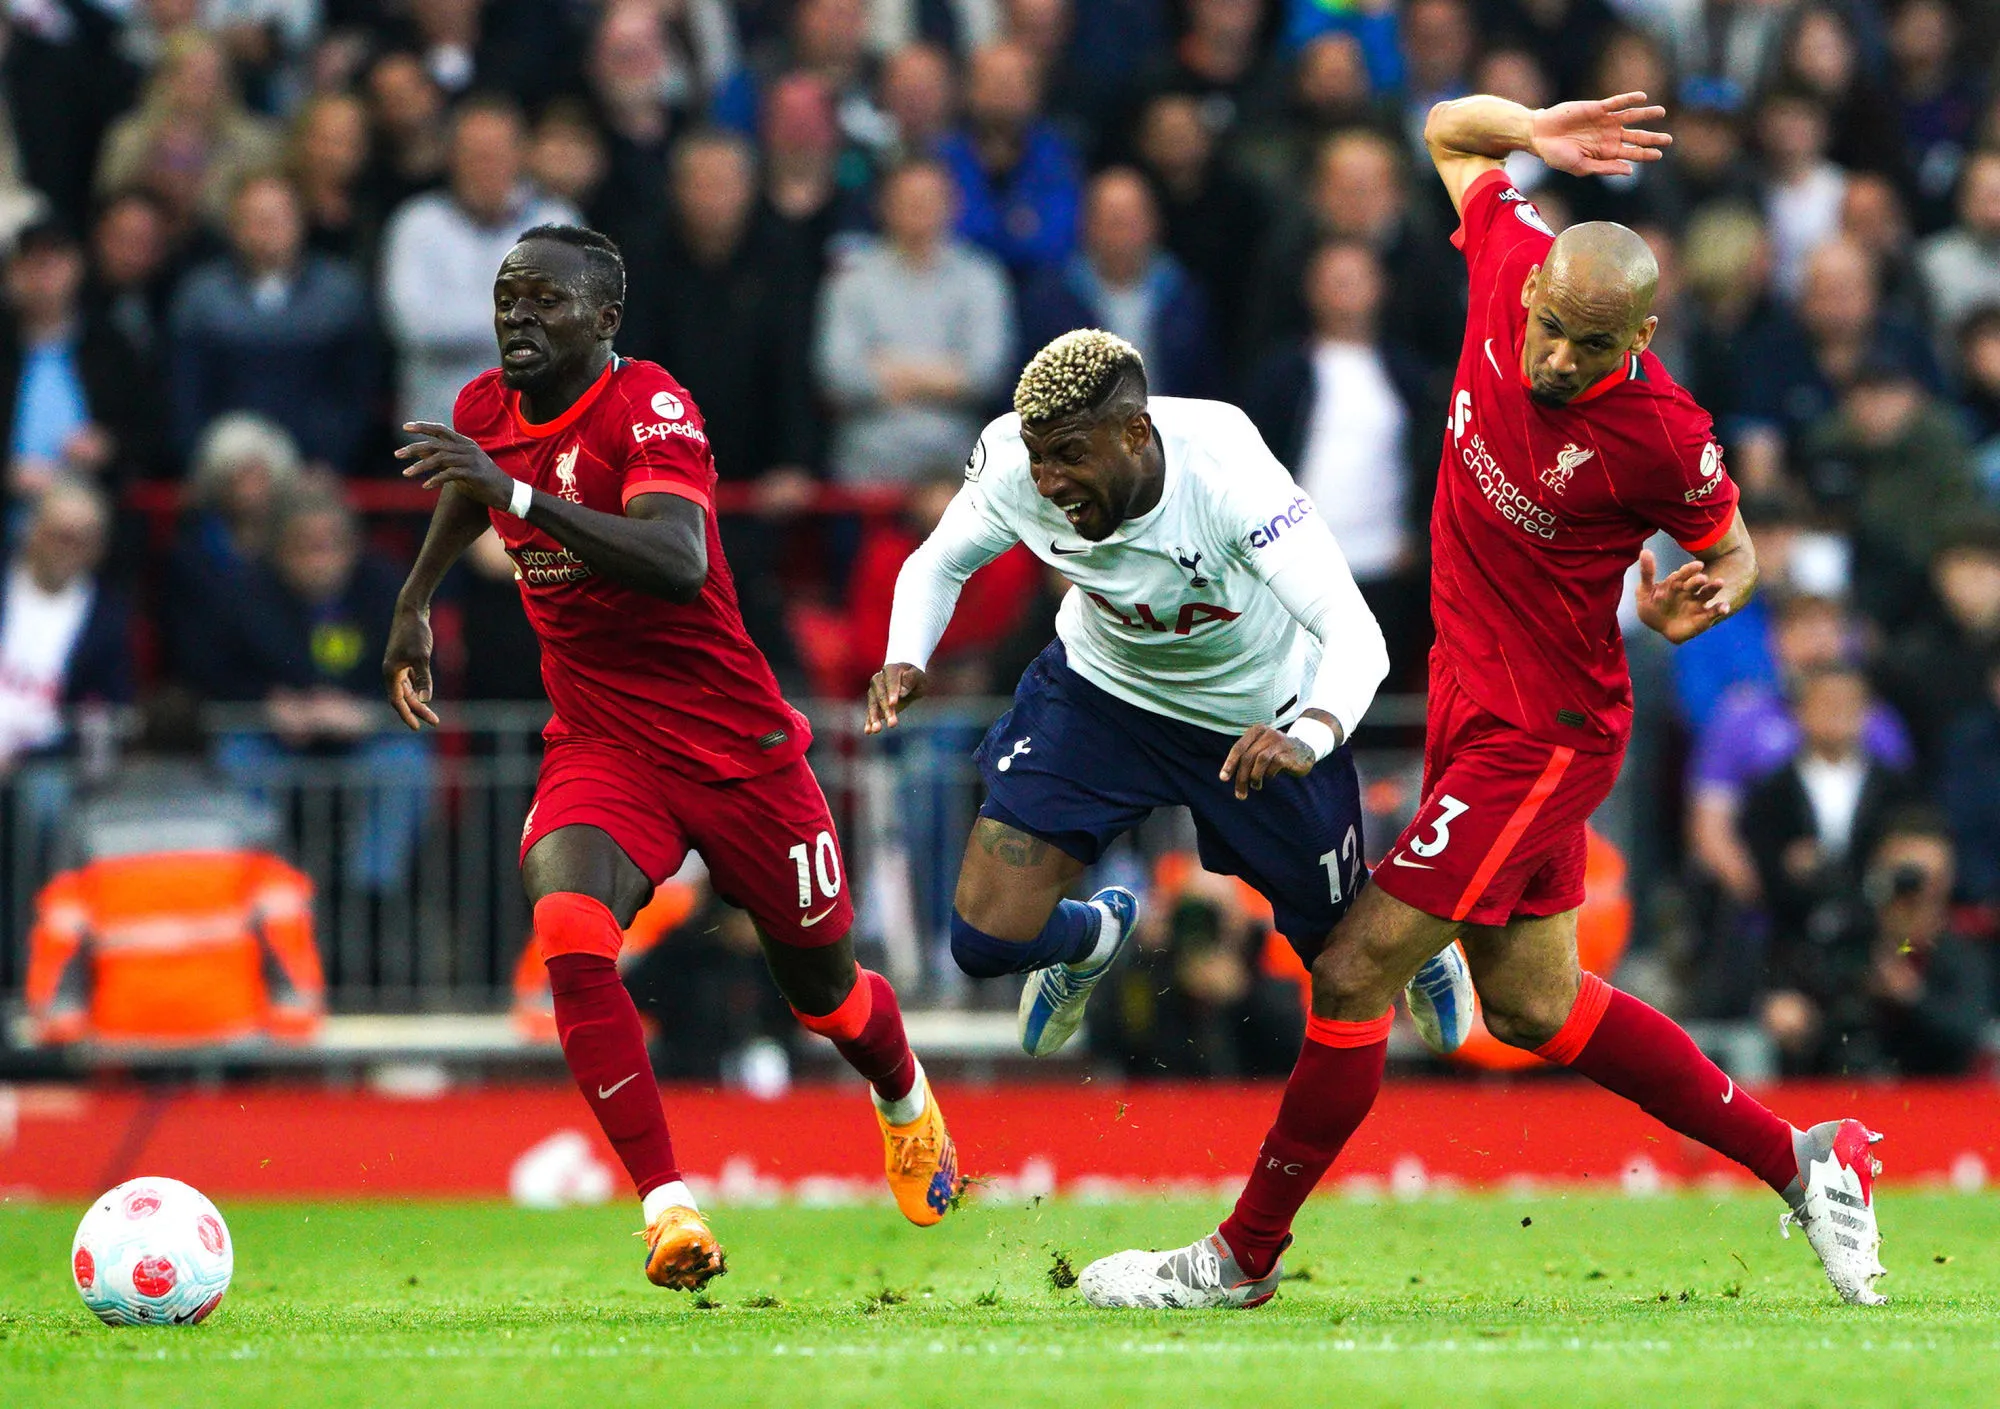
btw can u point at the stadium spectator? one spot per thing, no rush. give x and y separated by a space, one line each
1885 984
1210 213
305 639
66 77
1726 267
918 92
916 330
1368 31
1819 56
1891 466
171 921
801 143
1961 266
1121 280
328 163
73 392
567 160
413 141
129 281
1566 35
721 297
1360 192
1796 366
1710 161
243 468
439 252
1811 826
1220 60
1979 395
275 329
1752 731
1439 42
1018 180
1937 94
1346 410
1872 215
631 74
1329 92
525 48
1970 786
1802 188
65 635
191 141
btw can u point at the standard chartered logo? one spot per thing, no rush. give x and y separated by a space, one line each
1506 496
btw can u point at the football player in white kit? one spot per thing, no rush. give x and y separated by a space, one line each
1213 652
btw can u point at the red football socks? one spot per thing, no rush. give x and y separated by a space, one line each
601 1037
1338 1074
867 1030
1643 1055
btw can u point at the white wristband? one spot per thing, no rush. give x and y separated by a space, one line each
1315 736
523 498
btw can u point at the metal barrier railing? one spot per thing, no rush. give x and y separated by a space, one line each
411 843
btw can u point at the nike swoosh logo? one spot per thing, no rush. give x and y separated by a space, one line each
1490 362
1399 860
1730 1094
1065 552
809 921
605 1093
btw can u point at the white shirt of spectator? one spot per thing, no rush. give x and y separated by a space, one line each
1215 608
1802 216
1353 464
36 639
1834 792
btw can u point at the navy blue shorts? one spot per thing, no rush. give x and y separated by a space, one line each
1078 767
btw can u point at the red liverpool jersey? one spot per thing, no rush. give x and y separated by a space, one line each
1541 509
682 684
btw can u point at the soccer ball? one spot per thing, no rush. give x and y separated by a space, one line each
152 1252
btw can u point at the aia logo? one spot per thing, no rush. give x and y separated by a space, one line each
566 473
667 406
141 1203
1192 566
1192 614
1558 475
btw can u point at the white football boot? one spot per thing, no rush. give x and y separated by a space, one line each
1205 1275
1833 1199
1440 1000
1053 999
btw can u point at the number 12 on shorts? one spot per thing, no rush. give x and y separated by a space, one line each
819 861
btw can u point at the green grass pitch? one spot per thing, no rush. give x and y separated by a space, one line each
1684 1301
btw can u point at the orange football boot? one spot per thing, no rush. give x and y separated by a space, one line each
921 1162
680 1251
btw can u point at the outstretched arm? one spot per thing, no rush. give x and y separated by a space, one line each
926 592
1468 137
406 662
658 546
1697 595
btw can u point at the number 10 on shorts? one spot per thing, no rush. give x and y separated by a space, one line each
818 860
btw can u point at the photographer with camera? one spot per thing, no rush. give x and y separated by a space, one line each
1930 987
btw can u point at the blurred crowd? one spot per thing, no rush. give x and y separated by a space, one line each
245 239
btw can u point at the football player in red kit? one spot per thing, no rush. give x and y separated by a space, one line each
668 733
1567 446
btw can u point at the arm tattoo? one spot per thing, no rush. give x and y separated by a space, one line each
1008 846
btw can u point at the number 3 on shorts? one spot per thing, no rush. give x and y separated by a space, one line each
1449 810
823 866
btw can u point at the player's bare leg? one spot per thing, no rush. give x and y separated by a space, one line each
1010 917
585 890
1535 995
856 1010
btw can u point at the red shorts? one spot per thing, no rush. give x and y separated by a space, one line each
768 842
1500 831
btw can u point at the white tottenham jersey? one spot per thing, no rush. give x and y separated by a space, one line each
1228 604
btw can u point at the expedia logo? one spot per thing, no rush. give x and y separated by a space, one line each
1711 473
1295 513
539 567
667 406
644 433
